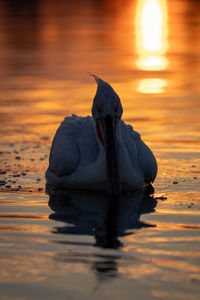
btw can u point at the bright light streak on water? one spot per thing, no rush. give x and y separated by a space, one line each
152 86
151 34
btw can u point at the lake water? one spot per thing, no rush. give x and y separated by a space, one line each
51 242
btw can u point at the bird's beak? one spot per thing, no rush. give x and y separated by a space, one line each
108 127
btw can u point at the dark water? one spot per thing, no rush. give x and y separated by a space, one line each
51 246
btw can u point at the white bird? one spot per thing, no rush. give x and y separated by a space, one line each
101 151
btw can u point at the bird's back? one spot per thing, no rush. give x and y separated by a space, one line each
77 157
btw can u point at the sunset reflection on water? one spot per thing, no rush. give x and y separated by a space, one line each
152 42
149 51
151 34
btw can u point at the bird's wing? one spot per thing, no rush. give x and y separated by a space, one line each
64 155
146 161
140 153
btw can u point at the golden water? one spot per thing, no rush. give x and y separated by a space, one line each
149 51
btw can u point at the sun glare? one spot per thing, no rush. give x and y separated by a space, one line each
151 86
151 34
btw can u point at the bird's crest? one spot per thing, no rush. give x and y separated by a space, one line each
97 79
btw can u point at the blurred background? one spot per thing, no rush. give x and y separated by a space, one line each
148 50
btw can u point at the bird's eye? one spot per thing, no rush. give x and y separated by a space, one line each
99 110
116 109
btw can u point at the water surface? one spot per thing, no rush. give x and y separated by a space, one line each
54 251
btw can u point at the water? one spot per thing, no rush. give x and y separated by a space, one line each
52 249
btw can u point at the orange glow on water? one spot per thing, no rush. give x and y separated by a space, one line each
151 35
148 50
151 86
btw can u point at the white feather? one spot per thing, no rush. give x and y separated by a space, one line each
136 161
77 157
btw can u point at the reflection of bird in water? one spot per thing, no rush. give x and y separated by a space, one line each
101 151
86 214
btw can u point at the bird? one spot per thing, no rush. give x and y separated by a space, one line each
100 152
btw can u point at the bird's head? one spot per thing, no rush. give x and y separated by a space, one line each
107 111
106 102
